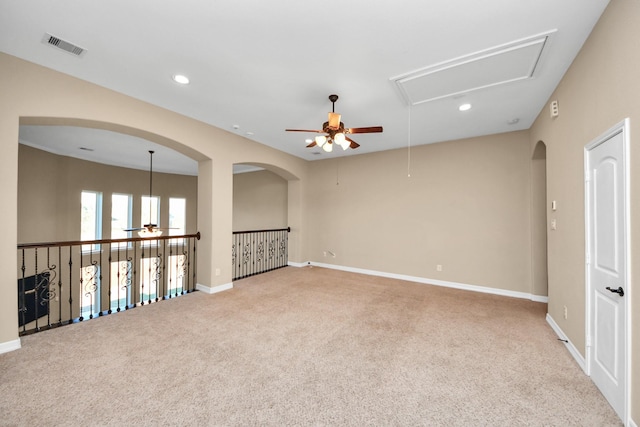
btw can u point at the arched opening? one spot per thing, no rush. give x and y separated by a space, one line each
266 208
60 158
260 199
539 220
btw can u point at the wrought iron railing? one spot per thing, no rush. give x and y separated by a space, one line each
66 282
258 251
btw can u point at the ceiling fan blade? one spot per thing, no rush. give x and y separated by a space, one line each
303 130
313 144
144 227
334 121
353 144
371 129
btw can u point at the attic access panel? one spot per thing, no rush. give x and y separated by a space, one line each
491 67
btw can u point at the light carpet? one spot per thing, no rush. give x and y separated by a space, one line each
305 347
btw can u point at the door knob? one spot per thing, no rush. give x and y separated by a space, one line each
619 291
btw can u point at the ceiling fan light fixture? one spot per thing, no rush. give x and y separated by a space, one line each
320 140
149 232
335 132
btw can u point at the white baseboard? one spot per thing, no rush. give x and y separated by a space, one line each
446 284
540 298
298 264
572 349
215 289
8 346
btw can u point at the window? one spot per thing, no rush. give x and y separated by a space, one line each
177 218
91 219
150 211
120 218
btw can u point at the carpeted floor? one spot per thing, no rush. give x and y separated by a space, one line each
305 347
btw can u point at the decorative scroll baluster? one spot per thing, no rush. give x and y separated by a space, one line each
90 287
46 284
157 275
124 283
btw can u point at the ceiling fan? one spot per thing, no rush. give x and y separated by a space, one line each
335 131
149 230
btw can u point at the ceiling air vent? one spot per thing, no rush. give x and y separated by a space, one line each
63 45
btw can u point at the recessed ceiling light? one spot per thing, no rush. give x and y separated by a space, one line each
249 133
464 107
180 78
308 140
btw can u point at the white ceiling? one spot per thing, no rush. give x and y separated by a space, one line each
264 66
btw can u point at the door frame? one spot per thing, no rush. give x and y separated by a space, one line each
623 128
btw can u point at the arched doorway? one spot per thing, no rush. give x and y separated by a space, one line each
539 222
56 161
260 199
267 209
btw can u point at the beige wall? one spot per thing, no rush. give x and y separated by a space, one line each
259 201
49 188
599 90
465 207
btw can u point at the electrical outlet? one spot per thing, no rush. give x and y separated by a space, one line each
324 253
439 267
217 271
566 313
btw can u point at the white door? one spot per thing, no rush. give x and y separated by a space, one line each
607 286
